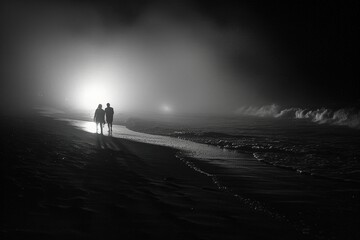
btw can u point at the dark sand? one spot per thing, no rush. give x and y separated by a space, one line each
62 183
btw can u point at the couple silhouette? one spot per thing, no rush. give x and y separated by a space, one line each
99 118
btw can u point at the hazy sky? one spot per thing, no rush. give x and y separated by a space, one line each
191 56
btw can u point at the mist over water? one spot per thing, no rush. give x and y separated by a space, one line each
72 57
184 55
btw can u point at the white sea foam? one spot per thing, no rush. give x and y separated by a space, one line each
344 116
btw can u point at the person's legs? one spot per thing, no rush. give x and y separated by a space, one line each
97 126
101 128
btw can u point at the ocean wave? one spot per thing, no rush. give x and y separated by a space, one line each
322 160
345 116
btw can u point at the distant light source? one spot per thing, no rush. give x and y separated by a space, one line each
166 108
91 96
96 84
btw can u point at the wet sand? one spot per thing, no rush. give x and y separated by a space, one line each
59 182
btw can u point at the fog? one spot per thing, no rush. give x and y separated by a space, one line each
166 59
179 56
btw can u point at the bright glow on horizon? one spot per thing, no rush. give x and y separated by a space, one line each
166 108
99 83
143 68
91 96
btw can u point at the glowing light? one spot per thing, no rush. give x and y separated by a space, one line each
166 108
97 84
91 96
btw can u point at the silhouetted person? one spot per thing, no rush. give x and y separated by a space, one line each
109 112
99 118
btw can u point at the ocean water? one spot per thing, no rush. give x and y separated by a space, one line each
301 145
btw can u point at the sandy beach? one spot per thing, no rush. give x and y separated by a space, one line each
60 182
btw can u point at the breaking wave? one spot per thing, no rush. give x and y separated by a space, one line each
345 116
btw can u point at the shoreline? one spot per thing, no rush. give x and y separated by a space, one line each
62 182
313 204
227 141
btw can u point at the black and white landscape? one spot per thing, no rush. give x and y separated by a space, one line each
232 120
